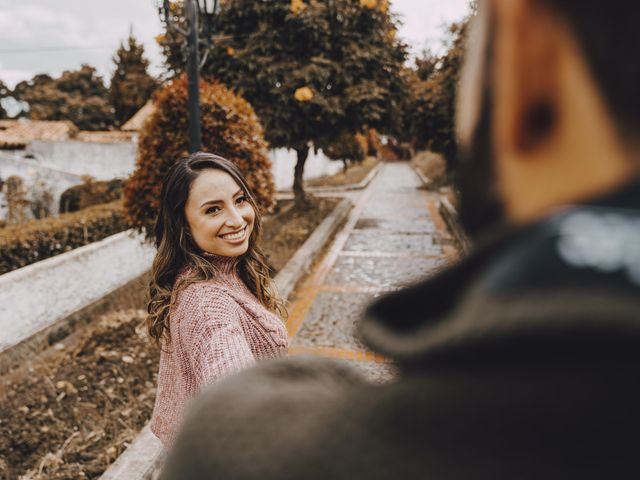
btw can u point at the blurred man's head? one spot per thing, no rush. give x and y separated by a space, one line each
549 106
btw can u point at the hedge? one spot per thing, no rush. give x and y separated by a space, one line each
91 192
30 242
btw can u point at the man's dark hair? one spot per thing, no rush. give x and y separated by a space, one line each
609 34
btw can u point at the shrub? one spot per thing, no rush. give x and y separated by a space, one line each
394 150
373 142
90 193
348 147
230 128
21 245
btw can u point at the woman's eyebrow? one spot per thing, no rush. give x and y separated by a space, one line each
221 201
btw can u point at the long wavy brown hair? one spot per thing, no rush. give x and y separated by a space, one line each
177 250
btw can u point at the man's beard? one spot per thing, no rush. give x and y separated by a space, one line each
481 208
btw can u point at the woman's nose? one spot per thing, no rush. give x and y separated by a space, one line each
234 219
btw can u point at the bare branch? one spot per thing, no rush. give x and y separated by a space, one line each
204 58
176 28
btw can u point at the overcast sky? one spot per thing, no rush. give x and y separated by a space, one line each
50 36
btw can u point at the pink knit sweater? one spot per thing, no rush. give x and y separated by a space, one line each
217 328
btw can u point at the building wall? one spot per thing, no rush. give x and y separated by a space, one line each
58 165
103 161
284 161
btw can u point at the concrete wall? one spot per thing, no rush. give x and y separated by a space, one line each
60 165
284 161
34 172
37 296
103 161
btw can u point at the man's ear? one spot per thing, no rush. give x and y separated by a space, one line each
526 76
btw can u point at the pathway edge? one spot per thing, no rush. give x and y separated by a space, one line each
450 216
361 185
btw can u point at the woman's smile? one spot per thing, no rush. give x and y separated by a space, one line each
235 237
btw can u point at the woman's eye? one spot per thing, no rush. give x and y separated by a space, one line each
241 199
212 210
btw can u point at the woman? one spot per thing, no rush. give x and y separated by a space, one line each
212 304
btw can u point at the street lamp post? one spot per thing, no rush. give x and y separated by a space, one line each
193 77
194 10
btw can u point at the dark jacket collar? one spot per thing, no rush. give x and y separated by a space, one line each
568 285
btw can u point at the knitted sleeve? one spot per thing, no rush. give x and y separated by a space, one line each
214 340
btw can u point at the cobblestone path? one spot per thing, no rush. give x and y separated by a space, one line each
393 237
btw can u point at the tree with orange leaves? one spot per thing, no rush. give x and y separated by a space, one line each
312 69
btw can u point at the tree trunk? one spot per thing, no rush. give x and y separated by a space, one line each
298 186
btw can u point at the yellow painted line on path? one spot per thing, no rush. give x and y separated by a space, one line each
330 352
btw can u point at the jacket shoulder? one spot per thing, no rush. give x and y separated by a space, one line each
260 417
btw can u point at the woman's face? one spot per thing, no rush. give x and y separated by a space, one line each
219 214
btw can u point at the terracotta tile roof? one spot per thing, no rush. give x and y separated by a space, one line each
110 136
21 132
135 123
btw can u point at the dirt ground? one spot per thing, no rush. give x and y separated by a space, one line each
73 410
354 174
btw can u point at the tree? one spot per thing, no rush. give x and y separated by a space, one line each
312 70
131 86
230 128
426 65
4 92
348 148
77 95
430 116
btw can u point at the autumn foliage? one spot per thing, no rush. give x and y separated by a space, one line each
432 97
311 69
348 147
230 128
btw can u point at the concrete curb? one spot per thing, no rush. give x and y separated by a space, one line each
131 295
450 216
340 188
426 181
30 310
298 266
143 459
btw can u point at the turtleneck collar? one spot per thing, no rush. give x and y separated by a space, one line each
225 265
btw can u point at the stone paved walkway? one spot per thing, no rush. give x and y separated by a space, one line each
394 236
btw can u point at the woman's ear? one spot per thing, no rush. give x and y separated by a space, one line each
526 74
